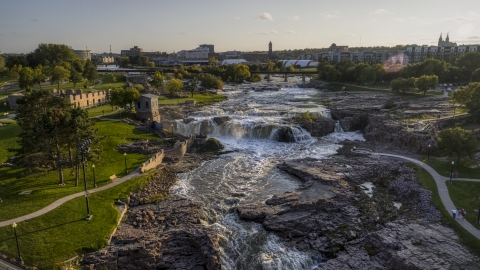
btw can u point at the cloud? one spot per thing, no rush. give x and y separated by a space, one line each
248 33
264 33
329 15
181 33
35 20
400 20
290 32
265 16
381 11
351 34
14 33
273 31
237 18
294 18
474 37
469 17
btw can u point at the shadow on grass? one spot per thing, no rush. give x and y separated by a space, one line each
20 234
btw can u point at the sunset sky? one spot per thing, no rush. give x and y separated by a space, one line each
233 25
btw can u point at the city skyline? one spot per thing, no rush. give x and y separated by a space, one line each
245 26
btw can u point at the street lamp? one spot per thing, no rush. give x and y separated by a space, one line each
94 179
125 155
14 226
451 172
428 157
83 149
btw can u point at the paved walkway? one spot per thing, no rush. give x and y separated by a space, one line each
442 190
63 200
4 265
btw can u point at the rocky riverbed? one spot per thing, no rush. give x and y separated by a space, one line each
396 228
159 233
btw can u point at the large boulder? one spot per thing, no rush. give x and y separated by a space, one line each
221 119
320 127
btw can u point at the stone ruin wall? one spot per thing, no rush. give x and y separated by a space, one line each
178 151
152 162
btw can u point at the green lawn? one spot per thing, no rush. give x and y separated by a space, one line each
45 189
466 195
49 239
203 99
108 83
444 167
428 182
100 110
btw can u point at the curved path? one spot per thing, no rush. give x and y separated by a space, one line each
63 200
442 189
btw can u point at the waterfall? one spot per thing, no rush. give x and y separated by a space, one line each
244 128
338 127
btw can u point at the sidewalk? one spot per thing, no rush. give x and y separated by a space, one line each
61 201
442 190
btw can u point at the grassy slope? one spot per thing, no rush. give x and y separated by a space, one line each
428 182
199 99
63 232
444 167
45 189
466 195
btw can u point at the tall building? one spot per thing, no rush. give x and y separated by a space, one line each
135 51
83 54
211 48
446 42
270 51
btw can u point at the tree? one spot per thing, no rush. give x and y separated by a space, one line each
213 61
462 95
59 74
16 60
75 76
139 87
26 79
471 96
142 60
124 61
38 75
157 80
425 83
48 131
90 71
458 142
192 85
51 55
468 63
14 72
124 98
210 81
151 64
3 68
242 72
174 86
402 85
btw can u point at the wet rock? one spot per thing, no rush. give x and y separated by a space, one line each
320 127
283 198
189 120
221 119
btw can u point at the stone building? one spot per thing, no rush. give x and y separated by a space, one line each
77 98
84 100
147 108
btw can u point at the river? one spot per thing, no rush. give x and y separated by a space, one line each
248 174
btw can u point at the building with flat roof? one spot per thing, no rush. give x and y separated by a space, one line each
147 108
135 51
83 54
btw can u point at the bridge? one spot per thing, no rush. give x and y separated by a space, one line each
285 73
171 70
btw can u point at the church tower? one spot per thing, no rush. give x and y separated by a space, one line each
270 51
440 39
447 39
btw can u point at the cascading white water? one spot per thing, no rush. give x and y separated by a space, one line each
338 127
249 174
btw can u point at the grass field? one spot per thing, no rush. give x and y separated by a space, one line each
444 167
466 195
63 233
380 87
428 182
108 83
44 187
202 99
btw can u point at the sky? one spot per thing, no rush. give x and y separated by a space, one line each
170 26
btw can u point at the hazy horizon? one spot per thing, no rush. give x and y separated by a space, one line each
242 26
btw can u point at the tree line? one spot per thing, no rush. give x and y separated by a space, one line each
53 62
